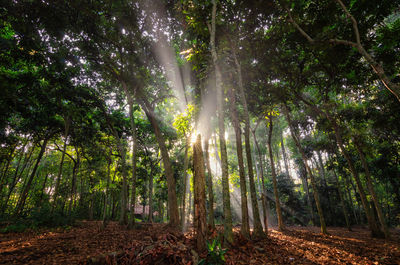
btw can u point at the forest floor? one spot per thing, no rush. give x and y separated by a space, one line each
87 243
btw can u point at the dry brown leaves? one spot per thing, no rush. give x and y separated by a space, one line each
158 244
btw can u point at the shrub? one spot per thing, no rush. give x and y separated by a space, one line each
215 255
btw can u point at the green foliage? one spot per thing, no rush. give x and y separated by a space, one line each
14 228
215 254
183 122
39 218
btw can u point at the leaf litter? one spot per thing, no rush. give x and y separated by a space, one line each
88 243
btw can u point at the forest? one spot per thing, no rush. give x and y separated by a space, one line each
200 132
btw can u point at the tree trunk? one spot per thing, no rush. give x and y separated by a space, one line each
264 189
58 180
321 169
73 181
228 235
346 215
209 182
245 226
281 225
6 167
309 200
284 155
24 194
151 193
199 196
190 203
173 211
123 219
17 176
106 193
375 232
313 184
134 155
185 183
372 190
258 230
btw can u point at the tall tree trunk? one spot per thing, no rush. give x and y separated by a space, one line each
372 190
123 219
190 202
58 179
185 182
24 194
6 167
264 189
284 155
245 226
73 181
104 218
375 232
17 176
43 190
173 211
228 235
350 199
199 196
309 201
134 155
151 193
346 215
209 183
281 225
313 184
321 169
258 230
122 151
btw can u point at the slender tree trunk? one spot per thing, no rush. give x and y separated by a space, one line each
104 218
350 199
185 183
245 226
321 169
151 193
309 200
284 155
209 183
123 219
375 232
171 184
346 215
281 225
258 230
199 196
264 189
313 184
124 191
24 194
17 176
190 203
73 181
134 155
228 235
5 169
58 180
372 190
